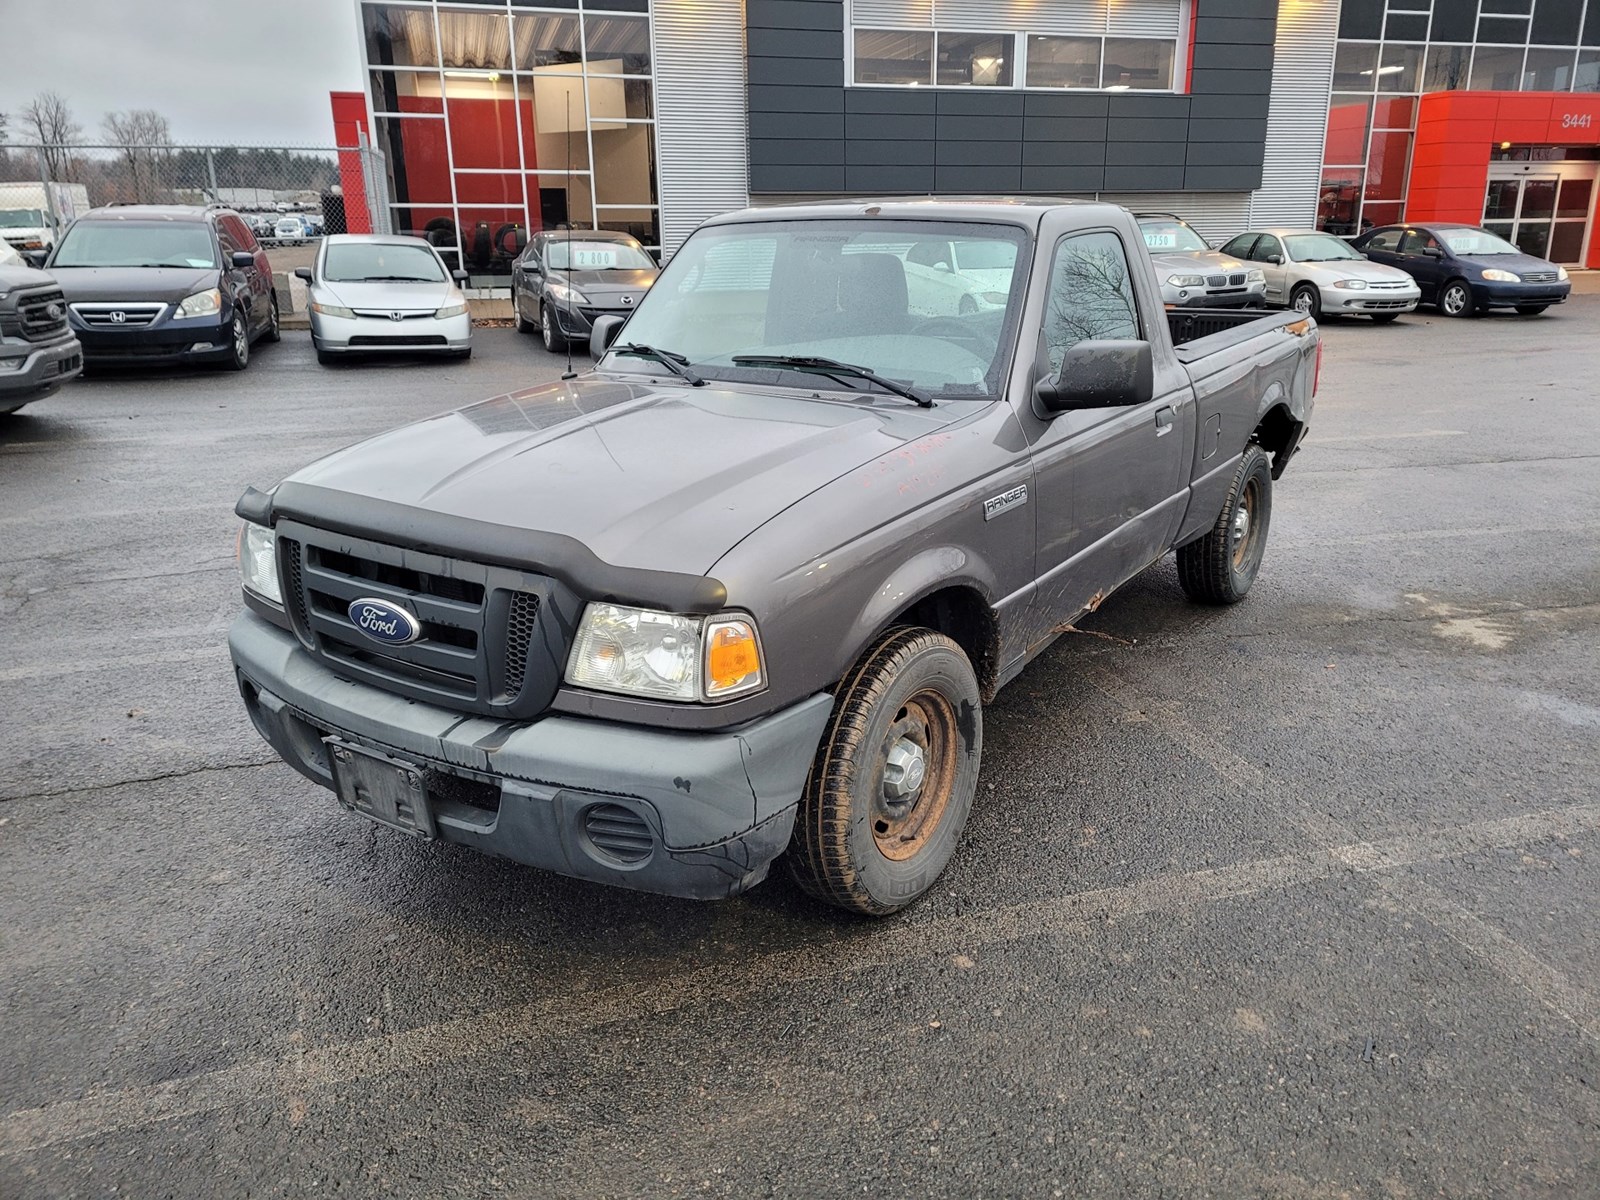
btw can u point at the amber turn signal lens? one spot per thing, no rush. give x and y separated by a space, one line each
733 659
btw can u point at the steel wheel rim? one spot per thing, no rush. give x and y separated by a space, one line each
1244 524
900 829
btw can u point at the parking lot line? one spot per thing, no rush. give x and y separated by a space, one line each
563 1015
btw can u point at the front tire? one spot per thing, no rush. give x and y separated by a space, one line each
553 341
1456 299
274 331
1220 567
238 342
1304 299
1530 310
894 776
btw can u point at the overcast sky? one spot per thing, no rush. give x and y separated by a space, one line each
222 71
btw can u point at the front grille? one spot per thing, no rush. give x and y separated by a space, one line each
489 640
1216 281
42 316
521 620
421 339
132 315
1384 285
1236 280
618 832
1539 276
389 315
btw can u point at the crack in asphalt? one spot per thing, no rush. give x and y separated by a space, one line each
102 787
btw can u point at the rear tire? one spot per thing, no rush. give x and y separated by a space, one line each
894 776
1455 300
1530 310
1220 567
1304 299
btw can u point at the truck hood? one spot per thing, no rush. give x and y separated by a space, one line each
12 278
17 234
170 284
658 476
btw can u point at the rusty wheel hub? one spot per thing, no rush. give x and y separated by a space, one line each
918 768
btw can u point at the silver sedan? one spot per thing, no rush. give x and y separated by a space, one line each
1321 275
372 294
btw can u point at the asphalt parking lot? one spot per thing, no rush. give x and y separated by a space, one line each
1295 899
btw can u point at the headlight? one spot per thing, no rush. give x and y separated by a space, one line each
451 310
1186 281
258 561
201 304
1352 285
562 294
1496 275
1561 273
664 656
333 310
996 297
1255 277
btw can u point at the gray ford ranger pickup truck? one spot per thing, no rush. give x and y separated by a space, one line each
744 589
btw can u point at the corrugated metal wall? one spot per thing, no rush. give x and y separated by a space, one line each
1297 121
701 122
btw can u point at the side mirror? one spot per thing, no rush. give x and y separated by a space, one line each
1433 252
303 273
1275 259
1099 375
458 275
243 259
605 332
35 258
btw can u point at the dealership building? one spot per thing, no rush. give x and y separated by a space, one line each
490 120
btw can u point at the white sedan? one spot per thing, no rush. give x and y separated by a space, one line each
1321 275
385 295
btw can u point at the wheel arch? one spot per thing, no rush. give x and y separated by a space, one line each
1278 432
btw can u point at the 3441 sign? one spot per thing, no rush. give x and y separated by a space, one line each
1577 120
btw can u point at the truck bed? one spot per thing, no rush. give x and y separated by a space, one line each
1197 332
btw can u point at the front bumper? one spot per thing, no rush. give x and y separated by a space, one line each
1509 295
38 373
715 808
1369 301
165 340
425 334
1253 296
577 322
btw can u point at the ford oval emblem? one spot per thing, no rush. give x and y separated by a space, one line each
384 622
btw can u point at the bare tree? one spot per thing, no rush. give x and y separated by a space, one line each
144 139
48 117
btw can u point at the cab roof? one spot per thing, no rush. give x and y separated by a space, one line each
1015 210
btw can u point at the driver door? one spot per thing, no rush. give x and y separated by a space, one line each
1415 260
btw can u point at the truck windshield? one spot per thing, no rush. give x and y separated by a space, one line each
21 218
137 244
853 291
356 262
1170 236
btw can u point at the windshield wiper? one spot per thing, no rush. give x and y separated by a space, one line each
674 362
832 367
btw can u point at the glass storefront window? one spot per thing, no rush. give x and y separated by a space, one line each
483 119
621 39
1377 213
1348 119
1449 69
416 158
1566 241
894 56
1386 166
1575 196
406 92
1063 62
1497 69
498 187
545 40
1394 112
554 124
624 163
474 39
1138 64
1355 67
557 200
1500 202
1339 206
975 59
643 223
1587 77
1548 70
398 36
1398 70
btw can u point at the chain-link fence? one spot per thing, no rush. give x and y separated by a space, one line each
289 195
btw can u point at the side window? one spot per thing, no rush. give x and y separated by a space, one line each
1091 294
1267 247
1417 241
226 240
1388 240
1240 246
242 234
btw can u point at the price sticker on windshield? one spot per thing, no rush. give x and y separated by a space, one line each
594 260
1161 241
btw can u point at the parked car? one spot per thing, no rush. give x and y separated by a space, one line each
1464 270
564 279
749 584
33 215
1191 273
1320 275
947 277
37 350
166 283
264 227
289 231
373 294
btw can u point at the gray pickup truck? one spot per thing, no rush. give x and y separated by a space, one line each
745 588
38 352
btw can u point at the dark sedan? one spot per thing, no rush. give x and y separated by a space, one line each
564 279
1464 270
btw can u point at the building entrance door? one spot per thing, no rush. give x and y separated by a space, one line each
1544 208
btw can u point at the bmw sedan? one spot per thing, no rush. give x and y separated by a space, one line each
1320 275
564 279
376 294
1465 270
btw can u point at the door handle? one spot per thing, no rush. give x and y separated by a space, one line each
1164 418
